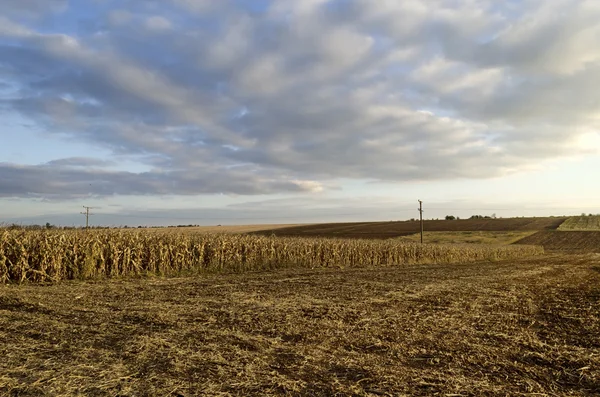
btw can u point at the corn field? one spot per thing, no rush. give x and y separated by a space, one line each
49 256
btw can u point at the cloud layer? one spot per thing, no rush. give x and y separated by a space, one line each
292 96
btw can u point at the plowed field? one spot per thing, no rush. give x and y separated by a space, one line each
567 241
396 229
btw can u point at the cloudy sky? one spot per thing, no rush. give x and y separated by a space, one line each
280 111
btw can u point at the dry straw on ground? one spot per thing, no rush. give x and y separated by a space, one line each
526 327
40 256
581 223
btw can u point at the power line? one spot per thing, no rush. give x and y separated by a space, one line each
421 218
87 216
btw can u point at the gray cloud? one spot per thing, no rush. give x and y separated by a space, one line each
31 8
62 180
310 91
79 162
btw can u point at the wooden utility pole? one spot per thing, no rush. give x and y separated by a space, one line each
87 216
421 218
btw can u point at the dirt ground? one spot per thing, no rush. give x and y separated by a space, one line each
565 241
403 228
521 328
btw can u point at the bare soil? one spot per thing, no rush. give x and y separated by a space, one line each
565 241
520 328
404 228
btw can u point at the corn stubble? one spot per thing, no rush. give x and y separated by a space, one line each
42 256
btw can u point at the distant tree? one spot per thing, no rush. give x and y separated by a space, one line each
450 217
482 216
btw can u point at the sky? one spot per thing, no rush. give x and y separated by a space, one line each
165 112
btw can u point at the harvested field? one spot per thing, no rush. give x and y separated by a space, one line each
581 223
477 237
383 230
513 328
567 241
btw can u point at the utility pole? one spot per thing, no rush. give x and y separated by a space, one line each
87 216
421 217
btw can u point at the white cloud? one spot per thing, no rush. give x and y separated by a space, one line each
157 23
589 142
9 28
302 94
311 186
199 6
119 17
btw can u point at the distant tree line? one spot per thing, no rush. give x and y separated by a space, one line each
452 217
